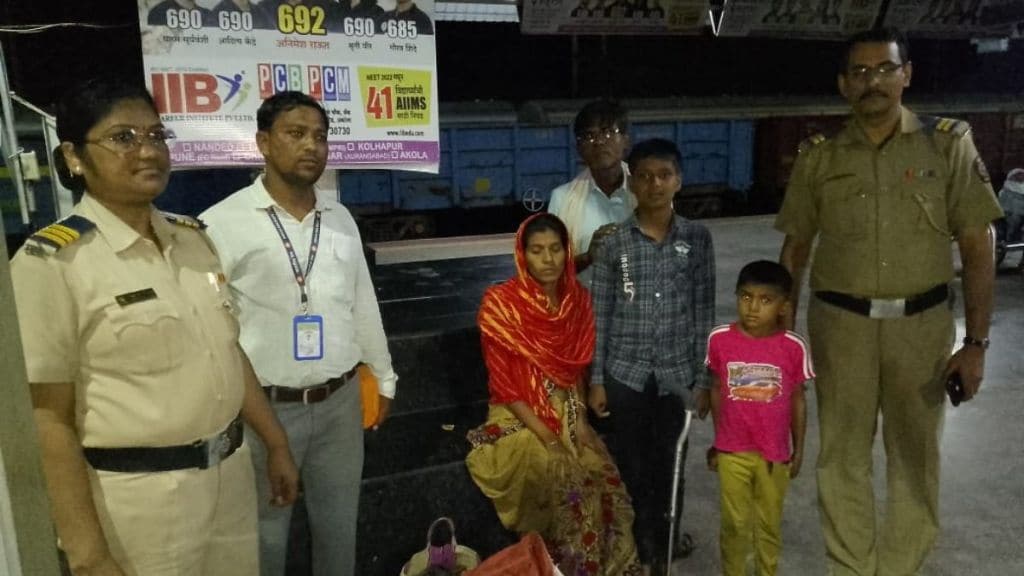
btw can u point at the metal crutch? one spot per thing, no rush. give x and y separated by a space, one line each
676 471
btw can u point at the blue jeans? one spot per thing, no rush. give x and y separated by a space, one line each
326 440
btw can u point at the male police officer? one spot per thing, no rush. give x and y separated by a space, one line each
884 197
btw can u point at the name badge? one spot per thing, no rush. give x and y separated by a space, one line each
308 337
129 298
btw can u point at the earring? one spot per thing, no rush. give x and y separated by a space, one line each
78 170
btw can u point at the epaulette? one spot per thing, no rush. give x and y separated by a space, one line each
811 142
186 221
58 235
949 125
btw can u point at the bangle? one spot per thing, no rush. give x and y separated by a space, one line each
982 343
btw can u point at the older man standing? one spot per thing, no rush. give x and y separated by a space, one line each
884 197
594 202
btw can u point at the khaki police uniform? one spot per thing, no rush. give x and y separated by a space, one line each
884 218
150 343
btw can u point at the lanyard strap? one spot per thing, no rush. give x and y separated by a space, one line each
293 259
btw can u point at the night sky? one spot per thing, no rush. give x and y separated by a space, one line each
496 62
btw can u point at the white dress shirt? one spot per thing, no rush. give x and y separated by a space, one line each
600 209
268 298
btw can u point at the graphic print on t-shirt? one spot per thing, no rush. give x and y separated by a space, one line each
754 382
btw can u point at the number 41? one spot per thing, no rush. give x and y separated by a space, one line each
379 102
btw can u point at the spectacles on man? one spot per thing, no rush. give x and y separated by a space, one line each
128 140
884 70
598 136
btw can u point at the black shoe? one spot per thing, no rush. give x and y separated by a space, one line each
683 546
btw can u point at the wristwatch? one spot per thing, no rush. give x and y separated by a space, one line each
982 343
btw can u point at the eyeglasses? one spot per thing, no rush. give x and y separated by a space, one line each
884 71
598 136
131 139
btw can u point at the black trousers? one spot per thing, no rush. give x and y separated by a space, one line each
641 434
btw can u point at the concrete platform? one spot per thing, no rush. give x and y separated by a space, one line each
982 492
414 469
433 249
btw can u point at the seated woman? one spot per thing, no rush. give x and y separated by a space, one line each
536 457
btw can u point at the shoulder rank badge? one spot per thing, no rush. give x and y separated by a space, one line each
952 126
58 235
186 221
811 142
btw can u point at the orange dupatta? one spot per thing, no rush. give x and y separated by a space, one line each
525 343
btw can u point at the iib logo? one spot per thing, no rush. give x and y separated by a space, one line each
324 83
197 92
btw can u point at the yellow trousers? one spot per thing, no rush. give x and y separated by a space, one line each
752 491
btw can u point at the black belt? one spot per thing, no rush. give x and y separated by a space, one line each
200 454
887 307
310 395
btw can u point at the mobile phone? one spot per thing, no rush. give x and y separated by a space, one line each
955 389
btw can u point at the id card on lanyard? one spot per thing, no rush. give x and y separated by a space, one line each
307 329
308 337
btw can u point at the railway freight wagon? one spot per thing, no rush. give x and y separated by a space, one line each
495 171
998 135
491 166
498 164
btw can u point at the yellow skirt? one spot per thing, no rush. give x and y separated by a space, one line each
578 505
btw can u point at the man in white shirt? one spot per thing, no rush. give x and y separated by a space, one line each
598 198
308 316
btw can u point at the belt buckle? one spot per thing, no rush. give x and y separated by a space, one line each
306 391
888 308
216 448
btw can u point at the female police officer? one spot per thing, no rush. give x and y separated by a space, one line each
137 382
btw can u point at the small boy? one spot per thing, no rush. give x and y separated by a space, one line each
758 373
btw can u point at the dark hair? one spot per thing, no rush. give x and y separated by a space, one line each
767 273
84 106
876 35
658 148
601 113
283 102
543 223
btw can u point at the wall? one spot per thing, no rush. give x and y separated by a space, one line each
29 510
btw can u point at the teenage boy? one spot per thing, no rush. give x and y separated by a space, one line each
654 303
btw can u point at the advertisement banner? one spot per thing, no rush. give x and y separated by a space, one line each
799 18
633 17
956 18
372 65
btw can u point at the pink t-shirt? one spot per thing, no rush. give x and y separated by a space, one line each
758 377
